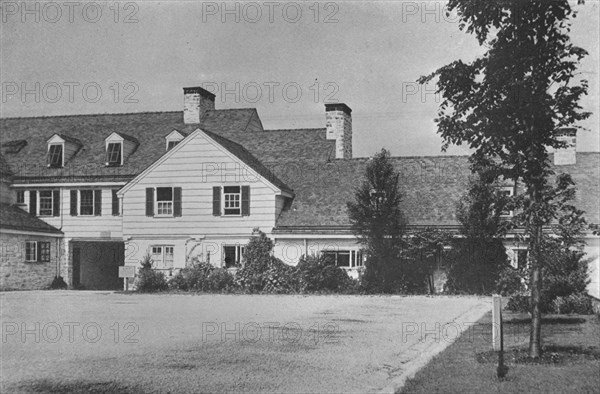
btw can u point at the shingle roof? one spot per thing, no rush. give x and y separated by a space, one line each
300 160
251 161
431 186
238 125
14 218
4 167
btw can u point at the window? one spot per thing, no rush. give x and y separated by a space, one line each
37 251
344 258
232 197
114 154
164 201
171 144
507 192
55 155
233 255
20 197
46 203
520 258
30 251
86 202
162 256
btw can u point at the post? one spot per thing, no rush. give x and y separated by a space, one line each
497 323
126 284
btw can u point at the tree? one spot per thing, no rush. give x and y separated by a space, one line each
420 253
478 257
507 105
378 223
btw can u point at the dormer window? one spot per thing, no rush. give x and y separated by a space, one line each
61 149
171 144
118 148
173 138
55 156
114 154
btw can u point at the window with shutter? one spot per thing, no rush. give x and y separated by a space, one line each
217 200
115 203
164 201
33 202
149 201
56 203
73 202
232 201
46 204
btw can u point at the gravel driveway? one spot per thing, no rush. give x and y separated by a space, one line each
67 341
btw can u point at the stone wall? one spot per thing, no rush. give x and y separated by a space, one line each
15 273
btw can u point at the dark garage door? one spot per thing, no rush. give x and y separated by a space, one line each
96 265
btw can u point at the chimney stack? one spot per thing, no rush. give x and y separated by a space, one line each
196 101
568 155
339 128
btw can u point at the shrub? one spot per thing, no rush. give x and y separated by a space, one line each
148 279
575 303
193 278
519 303
58 283
475 265
219 279
280 278
317 274
510 281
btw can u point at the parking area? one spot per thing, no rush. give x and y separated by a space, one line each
65 341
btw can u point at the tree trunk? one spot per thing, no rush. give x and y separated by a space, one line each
535 334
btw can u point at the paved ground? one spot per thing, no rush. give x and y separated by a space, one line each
64 341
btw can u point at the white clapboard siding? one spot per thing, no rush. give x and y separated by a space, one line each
196 167
104 226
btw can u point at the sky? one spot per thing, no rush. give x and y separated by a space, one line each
287 59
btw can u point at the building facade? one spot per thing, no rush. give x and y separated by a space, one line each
178 187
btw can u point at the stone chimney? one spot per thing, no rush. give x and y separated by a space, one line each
196 101
566 156
339 128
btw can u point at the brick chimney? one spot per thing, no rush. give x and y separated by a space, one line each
339 128
566 156
196 101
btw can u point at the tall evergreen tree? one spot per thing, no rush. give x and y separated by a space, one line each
507 105
378 223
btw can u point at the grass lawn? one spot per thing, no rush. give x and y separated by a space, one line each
571 361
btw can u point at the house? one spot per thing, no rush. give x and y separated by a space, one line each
178 187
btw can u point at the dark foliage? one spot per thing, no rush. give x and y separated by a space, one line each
150 280
58 283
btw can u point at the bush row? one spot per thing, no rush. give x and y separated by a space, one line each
311 275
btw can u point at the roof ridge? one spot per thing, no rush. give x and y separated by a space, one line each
95 114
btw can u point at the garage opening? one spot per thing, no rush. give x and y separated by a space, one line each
96 265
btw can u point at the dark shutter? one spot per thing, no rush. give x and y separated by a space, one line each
217 200
115 203
56 203
73 202
176 201
33 202
245 200
97 202
149 201
38 251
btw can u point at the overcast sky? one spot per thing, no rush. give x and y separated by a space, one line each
288 59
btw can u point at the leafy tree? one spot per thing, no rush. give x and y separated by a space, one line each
420 253
507 105
478 257
378 223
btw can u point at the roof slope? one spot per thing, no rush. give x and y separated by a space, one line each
431 186
241 153
14 218
241 126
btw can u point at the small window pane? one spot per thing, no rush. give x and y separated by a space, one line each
44 251
30 251
20 197
55 156
86 204
172 144
164 194
46 203
114 153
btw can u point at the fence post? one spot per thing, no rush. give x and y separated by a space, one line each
497 323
